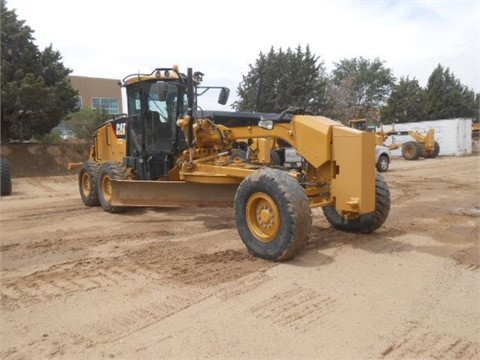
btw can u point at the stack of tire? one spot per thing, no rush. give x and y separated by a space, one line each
6 179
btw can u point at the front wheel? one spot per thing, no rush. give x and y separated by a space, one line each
272 214
366 223
109 171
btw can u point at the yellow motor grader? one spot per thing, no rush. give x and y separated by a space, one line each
475 131
169 152
423 145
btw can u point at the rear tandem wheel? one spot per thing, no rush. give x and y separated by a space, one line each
87 183
109 171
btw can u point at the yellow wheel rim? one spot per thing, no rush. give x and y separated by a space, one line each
409 150
107 188
86 184
263 217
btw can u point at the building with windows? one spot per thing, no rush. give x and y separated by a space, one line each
98 93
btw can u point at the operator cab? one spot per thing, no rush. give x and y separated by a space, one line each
153 118
155 102
153 139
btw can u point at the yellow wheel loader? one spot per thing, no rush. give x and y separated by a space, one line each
169 152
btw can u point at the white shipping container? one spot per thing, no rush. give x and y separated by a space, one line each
453 135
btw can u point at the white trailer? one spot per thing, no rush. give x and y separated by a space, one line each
453 135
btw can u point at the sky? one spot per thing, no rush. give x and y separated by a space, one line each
114 38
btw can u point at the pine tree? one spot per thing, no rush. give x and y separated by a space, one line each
35 90
282 79
447 98
406 103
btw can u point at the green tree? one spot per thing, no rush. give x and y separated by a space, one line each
35 89
359 87
283 79
84 121
405 104
476 117
447 98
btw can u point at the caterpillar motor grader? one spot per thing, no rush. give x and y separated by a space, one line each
423 145
167 151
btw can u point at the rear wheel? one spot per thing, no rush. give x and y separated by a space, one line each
87 183
6 178
411 150
366 223
434 153
109 171
272 214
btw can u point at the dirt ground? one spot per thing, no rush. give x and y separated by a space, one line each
80 283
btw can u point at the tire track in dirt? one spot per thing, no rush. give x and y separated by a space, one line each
67 245
298 308
62 212
168 262
62 281
419 339
175 265
198 275
183 264
122 324
468 258
416 344
243 285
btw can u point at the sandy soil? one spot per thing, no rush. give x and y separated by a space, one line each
79 283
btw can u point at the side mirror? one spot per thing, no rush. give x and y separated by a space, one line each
223 96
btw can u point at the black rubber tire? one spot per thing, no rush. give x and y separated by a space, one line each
273 196
275 159
383 163
434 153
87 183
475 135
366 223
107 172
412 150
6 177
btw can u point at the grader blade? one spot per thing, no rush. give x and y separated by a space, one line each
171 194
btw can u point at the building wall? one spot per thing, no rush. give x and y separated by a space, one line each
90 87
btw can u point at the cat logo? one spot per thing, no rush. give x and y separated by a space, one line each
120 129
